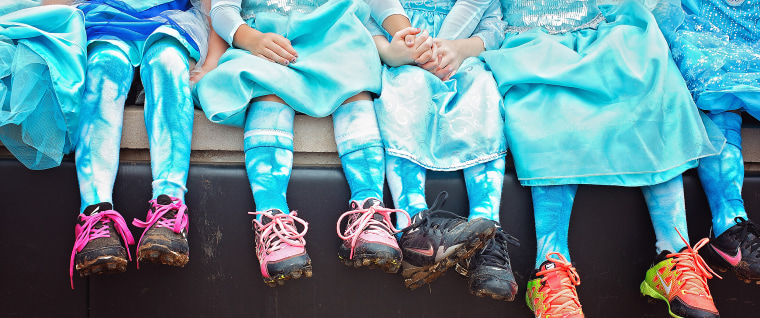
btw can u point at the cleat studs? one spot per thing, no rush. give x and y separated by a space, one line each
307 272
295 275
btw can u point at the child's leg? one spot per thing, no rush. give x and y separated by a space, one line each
722 176
269 153
109 76
484 184
406 180
668 212
360 149
168 115
552 206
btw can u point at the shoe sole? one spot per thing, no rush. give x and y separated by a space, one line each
718 262
488 293
389 259
102 265
648 291
418 276
280 279
160 254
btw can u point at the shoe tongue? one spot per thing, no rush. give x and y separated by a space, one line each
266 219
553 279
368 203
164 199
97 208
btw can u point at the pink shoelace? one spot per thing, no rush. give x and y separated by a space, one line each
362 220
159 220
281 229
87 232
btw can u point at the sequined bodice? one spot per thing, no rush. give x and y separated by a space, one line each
284 7
556 16
737 18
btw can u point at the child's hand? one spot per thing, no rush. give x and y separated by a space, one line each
408 46
451 54
270 46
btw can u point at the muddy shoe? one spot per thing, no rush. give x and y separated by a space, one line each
98 248
280 248
164 240
737 249
368 238
437 240
490 270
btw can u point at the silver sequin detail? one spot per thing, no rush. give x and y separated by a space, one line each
555 16
284 7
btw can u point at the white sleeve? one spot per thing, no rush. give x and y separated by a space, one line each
468 18
225 17
382 9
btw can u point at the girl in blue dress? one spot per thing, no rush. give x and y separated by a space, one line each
42 63
166 39
447 115
592 97
715 44
314 57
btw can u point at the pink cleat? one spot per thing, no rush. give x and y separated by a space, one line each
368 238
98 249
280 248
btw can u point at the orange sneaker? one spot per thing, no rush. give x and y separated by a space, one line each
552 293
681 280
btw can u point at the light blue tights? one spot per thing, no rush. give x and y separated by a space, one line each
168 119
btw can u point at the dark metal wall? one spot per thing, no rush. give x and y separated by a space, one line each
611 240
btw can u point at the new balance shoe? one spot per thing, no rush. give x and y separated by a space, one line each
164 240
98 248
280 248
437 240
490 271
368 239
552 293
680 279
737 249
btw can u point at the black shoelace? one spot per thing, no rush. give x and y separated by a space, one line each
427 224
495 253
748 226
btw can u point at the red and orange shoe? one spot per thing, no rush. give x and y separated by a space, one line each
681 280
552 293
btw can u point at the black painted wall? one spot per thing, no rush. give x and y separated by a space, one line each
611 241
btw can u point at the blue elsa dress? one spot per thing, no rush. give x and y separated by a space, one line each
42 65
337 60
445 125
592 97
715 45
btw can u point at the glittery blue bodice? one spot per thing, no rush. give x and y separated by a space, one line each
284 7
740 19
555 16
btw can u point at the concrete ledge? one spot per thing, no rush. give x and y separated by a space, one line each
314 141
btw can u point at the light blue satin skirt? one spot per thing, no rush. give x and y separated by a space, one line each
337 59
722 74
605 106
441 125
42 64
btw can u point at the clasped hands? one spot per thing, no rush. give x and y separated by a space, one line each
414 46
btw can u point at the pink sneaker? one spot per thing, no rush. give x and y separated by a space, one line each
280 248
98 249
368 239
164 240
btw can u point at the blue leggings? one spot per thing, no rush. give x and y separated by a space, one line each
722 176
553 205
269 151
484 182
168 118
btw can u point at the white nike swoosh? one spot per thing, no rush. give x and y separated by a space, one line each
442 254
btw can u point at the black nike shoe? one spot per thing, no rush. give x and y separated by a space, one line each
437 240
490 271
738 250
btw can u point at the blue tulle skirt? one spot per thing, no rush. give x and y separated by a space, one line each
134 25
722 72
337 59
599 106
42 64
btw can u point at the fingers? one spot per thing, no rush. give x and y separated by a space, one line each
266 58
428 56
445 68
401 34
423 41
409 40
432 65
284 44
